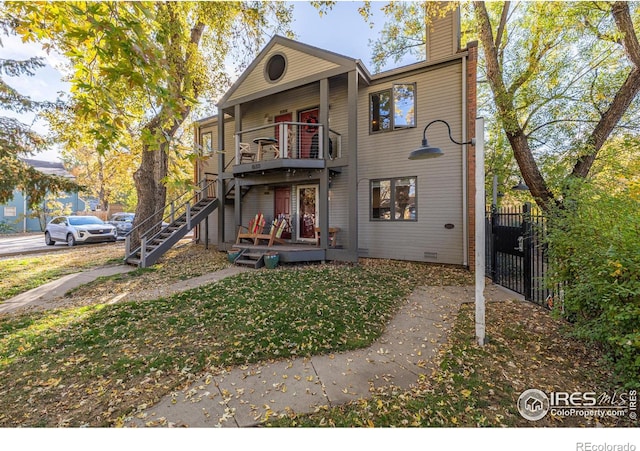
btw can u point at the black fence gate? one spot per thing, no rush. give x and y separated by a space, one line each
516 255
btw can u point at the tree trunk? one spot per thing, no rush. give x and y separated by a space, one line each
152 194
507 112
154 166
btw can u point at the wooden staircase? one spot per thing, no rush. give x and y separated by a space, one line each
156 239
155 245
251 258
159 238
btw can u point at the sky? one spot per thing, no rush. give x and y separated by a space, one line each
342 31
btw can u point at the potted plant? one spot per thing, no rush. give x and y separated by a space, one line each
233 254
271 259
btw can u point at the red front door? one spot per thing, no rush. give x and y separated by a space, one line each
283 208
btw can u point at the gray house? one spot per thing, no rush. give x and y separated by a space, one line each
311 141
311 136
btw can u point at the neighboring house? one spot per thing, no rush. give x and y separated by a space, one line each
16 216
357 176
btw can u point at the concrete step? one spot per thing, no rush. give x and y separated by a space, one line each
259 263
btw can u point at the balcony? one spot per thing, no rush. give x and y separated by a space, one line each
285 145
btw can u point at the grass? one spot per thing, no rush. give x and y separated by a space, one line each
94 363
23 273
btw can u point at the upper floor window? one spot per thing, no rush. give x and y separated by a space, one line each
275 67
393 108
206 143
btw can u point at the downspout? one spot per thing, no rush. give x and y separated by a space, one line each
196 175
465 201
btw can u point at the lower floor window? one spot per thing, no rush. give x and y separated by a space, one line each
394 199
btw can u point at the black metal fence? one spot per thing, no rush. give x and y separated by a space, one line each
516 256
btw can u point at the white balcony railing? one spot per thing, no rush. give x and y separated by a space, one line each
293 140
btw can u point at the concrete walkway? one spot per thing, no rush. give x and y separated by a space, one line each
52 290
247 395
48 292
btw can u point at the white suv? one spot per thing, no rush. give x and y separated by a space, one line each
79 229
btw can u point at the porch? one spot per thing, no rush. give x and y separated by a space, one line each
285 145
289 253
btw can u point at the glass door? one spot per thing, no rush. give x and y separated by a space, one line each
307 212
308 135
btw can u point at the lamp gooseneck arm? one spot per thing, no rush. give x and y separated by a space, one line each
424 133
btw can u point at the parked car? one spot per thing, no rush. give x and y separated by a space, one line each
78 229
123 222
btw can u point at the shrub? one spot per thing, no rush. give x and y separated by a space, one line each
594 247
6 227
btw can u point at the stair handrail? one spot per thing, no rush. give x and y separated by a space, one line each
131 248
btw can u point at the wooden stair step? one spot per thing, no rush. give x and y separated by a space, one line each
253 263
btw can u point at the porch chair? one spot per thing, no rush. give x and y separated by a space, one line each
333 235
274 235
246 154
256 227
272 150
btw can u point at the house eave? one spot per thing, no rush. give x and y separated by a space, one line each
345 64
419 66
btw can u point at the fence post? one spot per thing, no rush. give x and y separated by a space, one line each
527 242
494 245
143 252
188 215
127 246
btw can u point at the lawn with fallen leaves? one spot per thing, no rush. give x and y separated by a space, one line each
92 363
22 273
475 386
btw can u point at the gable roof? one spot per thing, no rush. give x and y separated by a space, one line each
48 167
318 64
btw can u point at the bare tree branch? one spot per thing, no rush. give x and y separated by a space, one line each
623 97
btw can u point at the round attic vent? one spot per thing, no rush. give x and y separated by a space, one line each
275 68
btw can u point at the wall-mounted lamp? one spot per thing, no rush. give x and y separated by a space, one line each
520 186
426 151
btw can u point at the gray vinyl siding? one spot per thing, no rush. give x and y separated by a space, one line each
339 112
339 205
230 230
442 39
299 66
263 111
210 162
439 180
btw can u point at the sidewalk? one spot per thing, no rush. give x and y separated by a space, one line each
247 395
52 290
